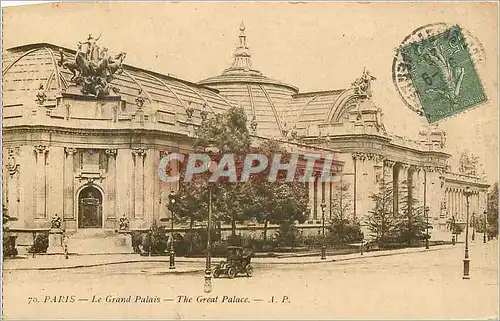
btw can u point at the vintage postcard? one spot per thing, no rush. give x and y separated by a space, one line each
250 160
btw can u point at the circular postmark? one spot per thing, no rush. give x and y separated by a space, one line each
434 70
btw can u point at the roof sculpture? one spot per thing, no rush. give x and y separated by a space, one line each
92 68
40 72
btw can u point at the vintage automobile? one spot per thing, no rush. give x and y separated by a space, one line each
238 261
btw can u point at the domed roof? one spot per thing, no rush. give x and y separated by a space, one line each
32 68
263 98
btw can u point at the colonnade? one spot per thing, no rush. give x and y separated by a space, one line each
319 192
456 203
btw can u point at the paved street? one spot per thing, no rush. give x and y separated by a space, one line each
415 285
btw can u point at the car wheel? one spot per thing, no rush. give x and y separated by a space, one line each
216 273
249 270
231 273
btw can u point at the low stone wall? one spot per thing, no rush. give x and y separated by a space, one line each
253 231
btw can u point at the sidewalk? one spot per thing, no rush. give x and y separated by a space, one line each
191 265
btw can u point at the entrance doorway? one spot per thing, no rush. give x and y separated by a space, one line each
90 208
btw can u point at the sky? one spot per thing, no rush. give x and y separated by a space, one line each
314 46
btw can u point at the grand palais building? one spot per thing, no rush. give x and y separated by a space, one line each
87 148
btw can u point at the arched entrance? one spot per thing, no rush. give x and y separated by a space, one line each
89 207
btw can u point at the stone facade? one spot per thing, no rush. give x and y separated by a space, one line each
93 159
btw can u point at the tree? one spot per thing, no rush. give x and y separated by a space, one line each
478 221
411 223
380 220
191 204
493 210
276 202
341 201
344 228
232 202
228 133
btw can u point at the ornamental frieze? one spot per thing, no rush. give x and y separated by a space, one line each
367 156
434 169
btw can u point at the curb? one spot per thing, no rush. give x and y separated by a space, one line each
192 271
352 258
51 268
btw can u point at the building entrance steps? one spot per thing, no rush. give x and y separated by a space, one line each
98 241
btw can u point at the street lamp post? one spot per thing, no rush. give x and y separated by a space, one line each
426 209
426 212
208 262
485 225
466 275
473 226
362 238
323 247
208 266
171 202
453 238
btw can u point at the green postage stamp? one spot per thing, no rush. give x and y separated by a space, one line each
443 74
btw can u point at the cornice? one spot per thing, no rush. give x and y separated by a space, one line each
91 131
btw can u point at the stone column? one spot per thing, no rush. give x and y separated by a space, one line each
111 215
403 173
330 191
139 155
413 178
368 172
388 175
461 205
448 203
27 175
40 181
319 190
452 203
315 198
157 196
358 188
420 185
311 200
355 157
125 185
150 173
54 182
69 184
403 187
434 192
478 205
472 204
